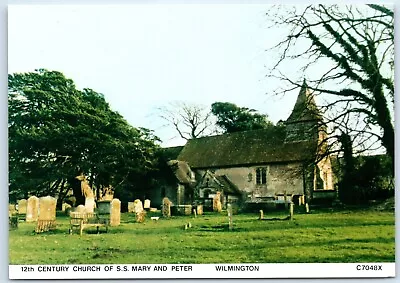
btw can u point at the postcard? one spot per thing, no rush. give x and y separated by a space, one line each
153 141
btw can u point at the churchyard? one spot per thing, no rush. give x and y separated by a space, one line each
362 235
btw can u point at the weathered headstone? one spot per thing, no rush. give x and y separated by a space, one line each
194 212
115 216
138 206
47 214
131 206
261 214
90 204
22 204
104 207
47 208
199 209
32 209
140 216
146 204
80 209
307 208
217 206
11 209
166 207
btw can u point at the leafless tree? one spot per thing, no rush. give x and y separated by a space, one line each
189 120
347 53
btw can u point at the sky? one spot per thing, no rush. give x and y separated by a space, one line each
142 57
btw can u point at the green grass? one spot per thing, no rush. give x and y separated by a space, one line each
342 236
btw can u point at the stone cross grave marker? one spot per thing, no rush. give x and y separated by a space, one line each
32 209
115 216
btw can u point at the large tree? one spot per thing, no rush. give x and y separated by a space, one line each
347 53
57 132
232 118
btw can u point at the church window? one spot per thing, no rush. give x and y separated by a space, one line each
261 176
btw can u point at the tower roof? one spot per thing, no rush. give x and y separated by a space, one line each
305 108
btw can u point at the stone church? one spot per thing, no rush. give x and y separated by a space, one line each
260 165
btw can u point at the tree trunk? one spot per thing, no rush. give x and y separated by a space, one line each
384 120
77 190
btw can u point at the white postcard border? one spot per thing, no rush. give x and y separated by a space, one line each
204 271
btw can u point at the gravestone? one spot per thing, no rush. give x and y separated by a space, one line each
11 209
137 206
47 208
90 204
47 214
217 206
115 216
140 216
131 206
32 209
166 207
146 204
104 207
22 204
80 209
199 209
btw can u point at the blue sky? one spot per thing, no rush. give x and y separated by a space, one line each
141 57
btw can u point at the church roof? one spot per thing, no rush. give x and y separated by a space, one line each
181 170
305 108
245 148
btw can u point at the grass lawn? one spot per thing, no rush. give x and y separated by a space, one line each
321 236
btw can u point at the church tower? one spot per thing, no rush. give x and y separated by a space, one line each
305 124
305 121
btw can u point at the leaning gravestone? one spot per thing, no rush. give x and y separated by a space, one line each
22 204
166 207
115 216
217 206
146 204
47 214
32 209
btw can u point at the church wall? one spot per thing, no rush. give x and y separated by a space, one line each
280 178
